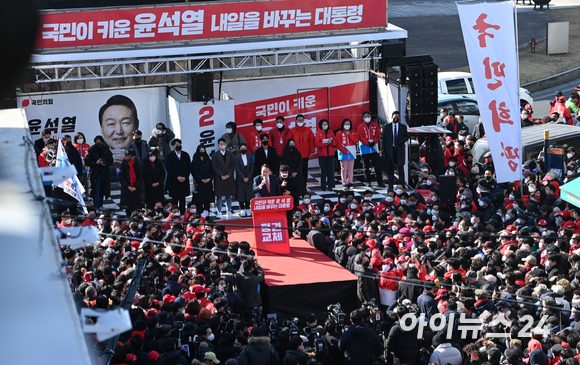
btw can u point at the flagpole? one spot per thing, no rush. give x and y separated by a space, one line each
518 73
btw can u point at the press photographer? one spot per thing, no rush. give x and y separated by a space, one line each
248 280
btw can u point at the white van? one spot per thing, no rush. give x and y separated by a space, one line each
461 83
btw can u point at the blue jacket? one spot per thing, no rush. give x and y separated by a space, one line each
427 304
479 308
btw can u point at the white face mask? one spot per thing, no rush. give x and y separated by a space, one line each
463 206
284 176
326 208
511 197
403 201
569 172
461 229
389 199
353 206
407 220
258 128
365 208
159 131
80 140
192 211
429 211
367 119
229 130
368 198
67 221
346 127
515 205
531 189
428 182
100 221
343 200
316 211
569 155
478 190
176 214
324 127
299 124
455 224
306 201
507 217
140 225
280 125
399 191
434 218
481 202
472 220
210 337
152 159
452 164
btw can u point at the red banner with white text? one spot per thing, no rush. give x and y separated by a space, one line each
207 21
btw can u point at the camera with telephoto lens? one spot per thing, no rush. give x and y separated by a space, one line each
315 335
336 313
376 316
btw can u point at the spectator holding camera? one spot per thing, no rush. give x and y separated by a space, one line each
248 279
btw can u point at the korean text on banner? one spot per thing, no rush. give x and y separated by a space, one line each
489 35
207 21
71 186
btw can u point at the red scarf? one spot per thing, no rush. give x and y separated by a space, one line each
132 176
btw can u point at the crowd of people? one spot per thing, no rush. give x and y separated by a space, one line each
507 254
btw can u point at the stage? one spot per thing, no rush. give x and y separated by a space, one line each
304 281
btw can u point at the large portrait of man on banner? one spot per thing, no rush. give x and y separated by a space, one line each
118 119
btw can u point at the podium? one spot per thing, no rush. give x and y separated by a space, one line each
269 218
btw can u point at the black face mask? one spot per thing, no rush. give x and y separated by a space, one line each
178 148
159 210
99 145
395 120
291 147
137 140
69 145
264 143
488 178
243 152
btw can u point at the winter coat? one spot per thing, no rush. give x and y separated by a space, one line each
140 153
294 161
482 306
75 159
166 138
247 284
253 141
153 174
237 140
360 344
131 199
294 357
259 351
221 168
427 304
304 139
95 170
317 240
202 170
446 353
368 133
342 139
367 287
245 192
411 287
390 279
404 344
271 160
339 251
278 139
178 167
325 149
291 187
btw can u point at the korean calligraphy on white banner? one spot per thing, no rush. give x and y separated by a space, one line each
489 35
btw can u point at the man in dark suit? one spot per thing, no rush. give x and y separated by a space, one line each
266 184
266 155
178 165
39 143
394 138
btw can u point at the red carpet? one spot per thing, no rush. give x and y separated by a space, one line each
305 281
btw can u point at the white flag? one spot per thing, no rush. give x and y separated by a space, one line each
71 186
490 41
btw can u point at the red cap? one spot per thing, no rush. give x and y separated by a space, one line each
172 268
542 222
135 244
168 298
427 229
402 259
151 313
564 213
528 107
153 355
131 357
200 289
511 228
569 225
371 243
358 235
440 293
562 98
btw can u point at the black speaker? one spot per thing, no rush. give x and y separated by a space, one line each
200 86
392 50
414 72
447 189
415 120
415 153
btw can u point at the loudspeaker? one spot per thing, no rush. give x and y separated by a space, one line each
415 153
200 86
447 189
415 73
392 50
421 94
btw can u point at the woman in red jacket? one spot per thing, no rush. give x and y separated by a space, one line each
389 282
346 140
80 143
325 143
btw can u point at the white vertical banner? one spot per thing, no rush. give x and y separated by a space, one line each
71 186
490 41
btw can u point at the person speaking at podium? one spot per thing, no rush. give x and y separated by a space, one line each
266 184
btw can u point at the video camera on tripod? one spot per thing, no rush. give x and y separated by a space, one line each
376 317
336 313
